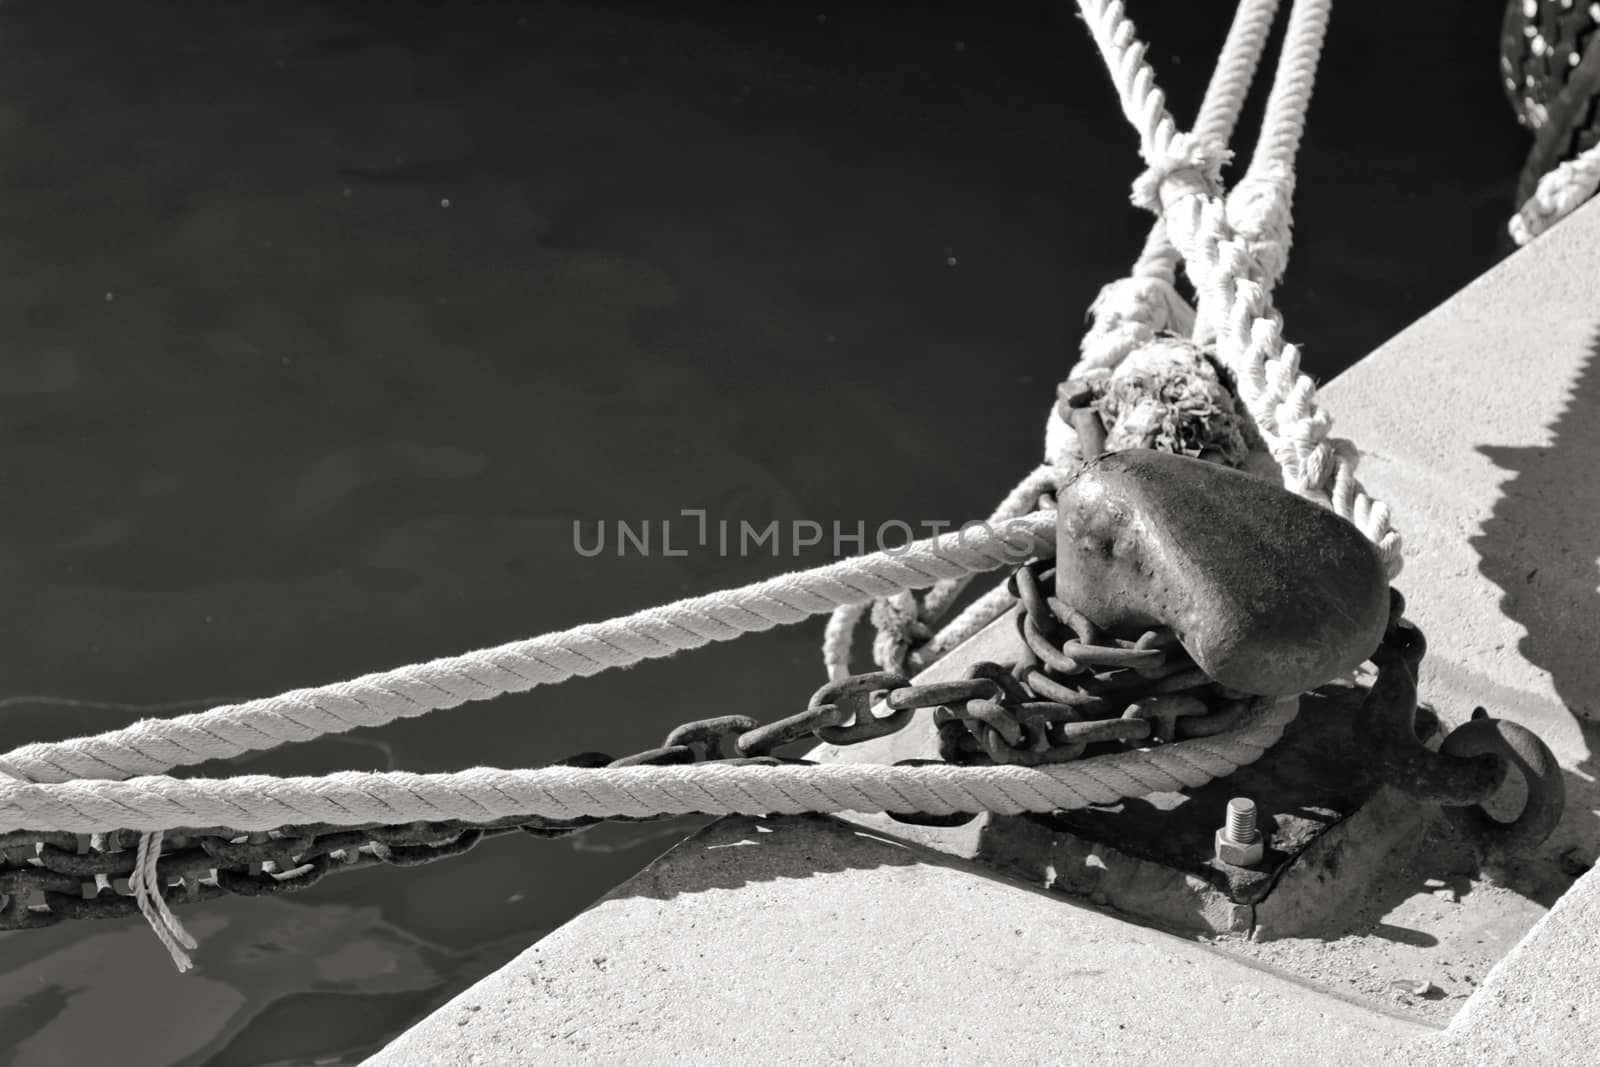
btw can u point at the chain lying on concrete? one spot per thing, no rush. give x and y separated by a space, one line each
996 714
1074 693
1071 694
1073 688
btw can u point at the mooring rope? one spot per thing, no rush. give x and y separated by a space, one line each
894 640
1182 182
1560 192
152 746
79 785
261 802
1181 179
1128 313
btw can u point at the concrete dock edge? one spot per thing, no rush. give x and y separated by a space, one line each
809 940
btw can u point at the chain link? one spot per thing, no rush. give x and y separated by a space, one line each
1073 693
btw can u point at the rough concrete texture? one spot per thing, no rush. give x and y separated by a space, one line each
1541 1005
796 939
1480 427
806 940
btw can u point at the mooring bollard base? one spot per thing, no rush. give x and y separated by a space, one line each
1152 858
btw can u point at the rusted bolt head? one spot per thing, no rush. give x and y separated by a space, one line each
1240 855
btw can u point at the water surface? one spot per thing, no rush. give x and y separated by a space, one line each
322 323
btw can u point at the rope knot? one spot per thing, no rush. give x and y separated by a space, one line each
1258 209
1143 300
1192 167
1127 314
900 627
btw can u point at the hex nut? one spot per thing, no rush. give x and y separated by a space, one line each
1230 851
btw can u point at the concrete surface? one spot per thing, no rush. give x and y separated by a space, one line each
1480 427
1541 1005
810 941
797 939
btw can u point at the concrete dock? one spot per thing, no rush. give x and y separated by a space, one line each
818 941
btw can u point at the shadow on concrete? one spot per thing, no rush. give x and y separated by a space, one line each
1404 935
1541 543
1540 546
739 850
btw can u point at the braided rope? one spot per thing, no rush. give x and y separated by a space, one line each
1560 192
897 623
1182 181
1218 118
1127 314
1132 312
259 802
74 785
151 746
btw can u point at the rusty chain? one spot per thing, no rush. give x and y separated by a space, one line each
1072 693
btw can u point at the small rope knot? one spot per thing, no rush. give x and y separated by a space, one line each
1194 165
898 620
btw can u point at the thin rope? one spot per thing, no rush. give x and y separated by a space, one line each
260 802
149 894
151 746
974 617
1560 192
894 643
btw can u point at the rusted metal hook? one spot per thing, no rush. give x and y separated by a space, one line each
1387 722
1519 746
1470 766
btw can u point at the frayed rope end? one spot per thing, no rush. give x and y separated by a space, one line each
148 893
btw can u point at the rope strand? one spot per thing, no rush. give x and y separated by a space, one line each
260 802
1182 181
151 746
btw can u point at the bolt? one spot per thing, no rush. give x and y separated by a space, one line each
1238 843
1242 820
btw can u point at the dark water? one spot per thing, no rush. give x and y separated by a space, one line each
324 322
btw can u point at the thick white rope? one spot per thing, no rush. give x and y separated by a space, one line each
1261 205
896 635
73 784
151 746
260 802
974 617
1127 314
1130 312
1182 182
1219 116
1559 193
